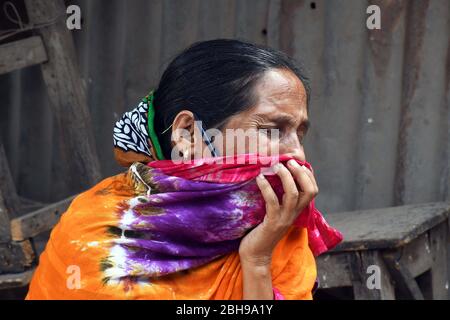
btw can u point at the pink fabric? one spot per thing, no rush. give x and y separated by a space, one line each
277 294
246 167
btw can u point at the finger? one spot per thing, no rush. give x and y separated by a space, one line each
291 193
313 179
272 204
304 181
294 166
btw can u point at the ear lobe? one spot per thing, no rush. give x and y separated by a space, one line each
183 127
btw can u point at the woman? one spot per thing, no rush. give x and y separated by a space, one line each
223 223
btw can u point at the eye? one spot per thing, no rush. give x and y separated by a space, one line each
301 133
301 138
268 130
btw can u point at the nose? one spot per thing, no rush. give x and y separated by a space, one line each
294 148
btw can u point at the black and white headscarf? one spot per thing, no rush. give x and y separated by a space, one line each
130 132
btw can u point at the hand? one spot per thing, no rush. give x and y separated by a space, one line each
300 188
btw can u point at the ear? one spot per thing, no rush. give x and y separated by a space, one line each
183 129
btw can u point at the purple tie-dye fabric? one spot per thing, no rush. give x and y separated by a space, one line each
177 224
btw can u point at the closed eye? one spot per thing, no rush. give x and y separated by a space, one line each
303 130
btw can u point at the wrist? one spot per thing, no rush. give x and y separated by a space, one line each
257 273
259 263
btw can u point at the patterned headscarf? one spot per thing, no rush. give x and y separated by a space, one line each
135 139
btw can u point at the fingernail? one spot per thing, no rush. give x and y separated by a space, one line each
276 167
293 163
260 177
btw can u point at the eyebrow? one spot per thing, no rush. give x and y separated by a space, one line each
306 123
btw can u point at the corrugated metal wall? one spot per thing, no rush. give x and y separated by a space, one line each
380 107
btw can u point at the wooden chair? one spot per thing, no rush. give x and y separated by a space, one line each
407 244
51 46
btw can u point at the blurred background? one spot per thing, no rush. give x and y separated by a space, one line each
380 98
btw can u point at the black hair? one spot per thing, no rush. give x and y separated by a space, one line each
215 80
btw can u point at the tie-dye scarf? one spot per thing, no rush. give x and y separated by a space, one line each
189 214
195 211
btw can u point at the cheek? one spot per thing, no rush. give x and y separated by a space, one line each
297 150
259 143
267 146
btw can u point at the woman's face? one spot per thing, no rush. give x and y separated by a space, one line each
276 124
281 105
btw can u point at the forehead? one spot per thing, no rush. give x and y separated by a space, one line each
280 91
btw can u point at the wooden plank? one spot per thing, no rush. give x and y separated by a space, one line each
5 230
21 53
333 271
448 245
7 188
67 96
404 280
15 280
416 255
439 275
16 256
7 196
387 227
38 221
359 262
